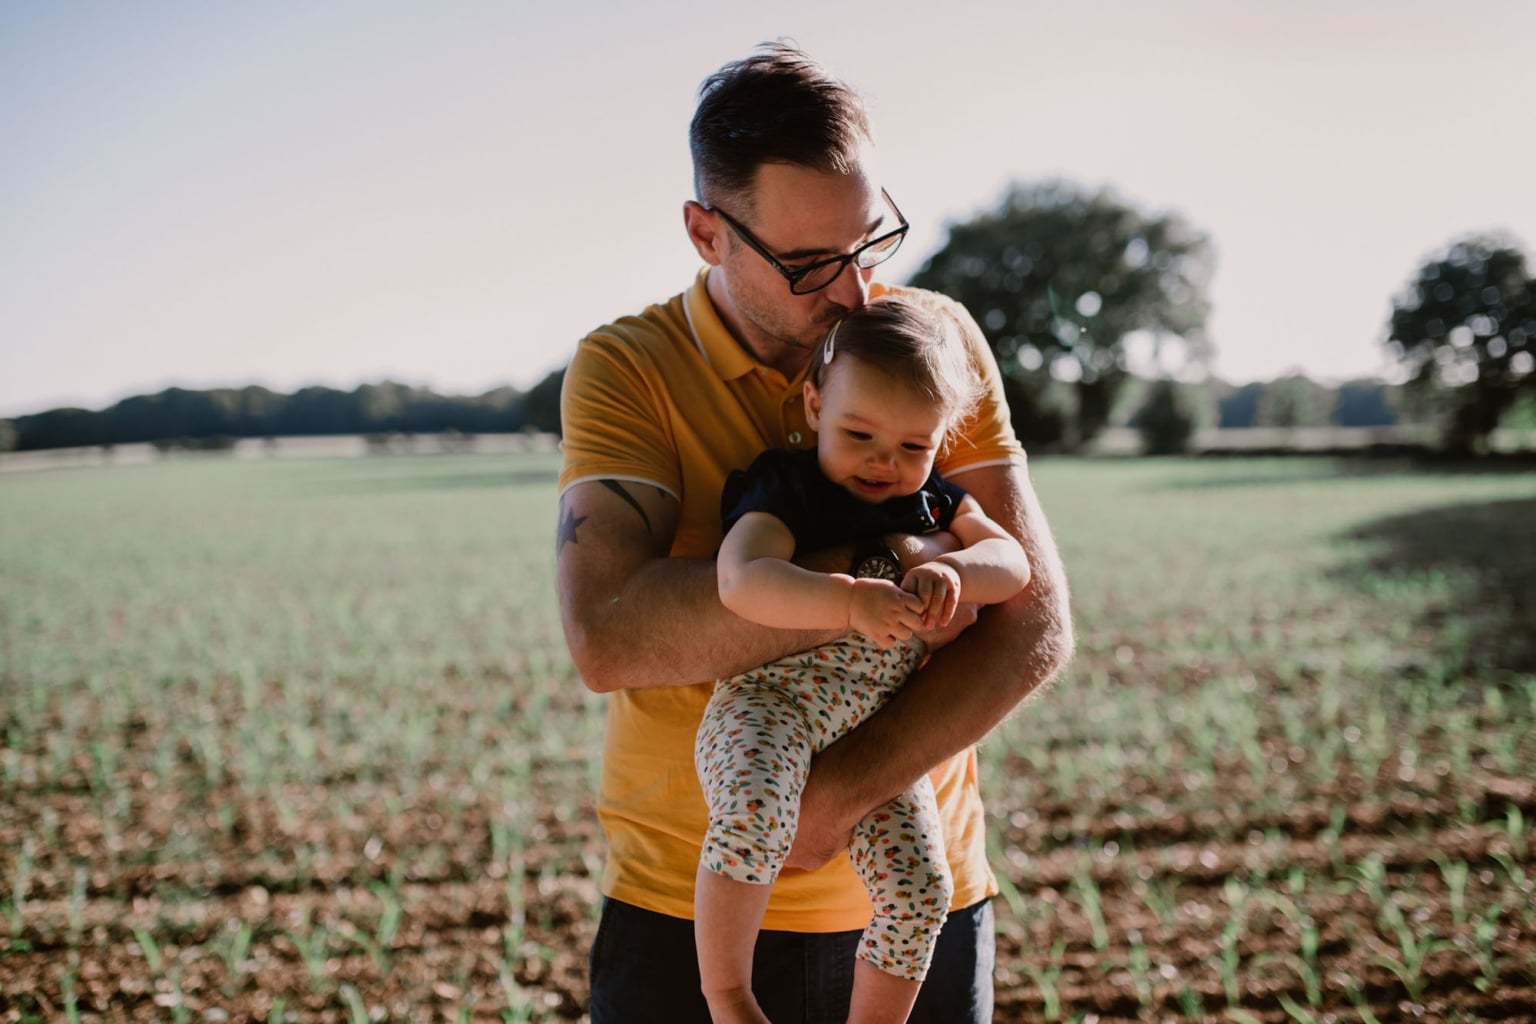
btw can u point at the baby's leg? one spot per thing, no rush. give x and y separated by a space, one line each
898 851
726 917
753 754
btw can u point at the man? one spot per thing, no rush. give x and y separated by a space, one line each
790 220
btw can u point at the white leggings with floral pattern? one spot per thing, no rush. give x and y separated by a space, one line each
753 754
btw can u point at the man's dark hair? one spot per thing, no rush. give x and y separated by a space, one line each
776 106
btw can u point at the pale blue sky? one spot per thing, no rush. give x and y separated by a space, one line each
451 194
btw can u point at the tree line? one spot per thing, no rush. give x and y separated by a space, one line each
1064 283
180 416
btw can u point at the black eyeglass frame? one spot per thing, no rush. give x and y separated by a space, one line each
794 277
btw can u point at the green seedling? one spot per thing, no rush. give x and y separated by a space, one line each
21 878
520 1006
1359 1002
1514 826
356 1008
1413 950
70 995
1485 934
312 946
1091 898
1229 959
1141 968
1455 875
150 948
235 952
1046 978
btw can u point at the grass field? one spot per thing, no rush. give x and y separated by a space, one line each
298 739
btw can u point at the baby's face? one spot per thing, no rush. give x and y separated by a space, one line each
876 437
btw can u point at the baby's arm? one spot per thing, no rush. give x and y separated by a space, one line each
989 569
759 582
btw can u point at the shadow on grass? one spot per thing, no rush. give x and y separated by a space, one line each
1490 544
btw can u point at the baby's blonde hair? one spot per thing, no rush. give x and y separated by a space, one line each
912 343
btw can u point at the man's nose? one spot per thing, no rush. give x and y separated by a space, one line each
851 288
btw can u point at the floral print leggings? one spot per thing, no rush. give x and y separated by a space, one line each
753 754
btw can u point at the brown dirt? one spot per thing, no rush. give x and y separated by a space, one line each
138 891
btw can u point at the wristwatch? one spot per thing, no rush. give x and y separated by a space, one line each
872 559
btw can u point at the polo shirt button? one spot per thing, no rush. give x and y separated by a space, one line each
794 438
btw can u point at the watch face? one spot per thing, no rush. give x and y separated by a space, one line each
878 567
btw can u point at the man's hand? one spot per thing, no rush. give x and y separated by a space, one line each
823 832
883 611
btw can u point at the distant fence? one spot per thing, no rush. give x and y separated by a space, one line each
338 446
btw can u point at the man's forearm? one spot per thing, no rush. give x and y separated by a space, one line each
667 627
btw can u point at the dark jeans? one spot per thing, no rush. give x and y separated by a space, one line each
643 969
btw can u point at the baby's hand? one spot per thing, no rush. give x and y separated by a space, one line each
937 585
883 611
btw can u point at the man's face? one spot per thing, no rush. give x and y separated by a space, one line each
801 216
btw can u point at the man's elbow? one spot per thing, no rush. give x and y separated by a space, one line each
1043 631
1056 642
602 668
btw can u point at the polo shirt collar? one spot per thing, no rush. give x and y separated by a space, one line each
719 346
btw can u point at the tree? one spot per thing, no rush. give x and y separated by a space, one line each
541 406
1237 406
1167 421
1466 326
1294 401
1364 403
1058 279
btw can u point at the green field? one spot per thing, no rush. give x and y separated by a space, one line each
298 739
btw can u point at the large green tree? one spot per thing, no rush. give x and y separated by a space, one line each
1059 278
1465 328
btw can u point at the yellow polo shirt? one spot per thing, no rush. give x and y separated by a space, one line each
669 398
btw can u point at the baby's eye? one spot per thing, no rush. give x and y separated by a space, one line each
915 447
858 435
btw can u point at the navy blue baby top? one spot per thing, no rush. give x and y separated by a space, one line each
789 485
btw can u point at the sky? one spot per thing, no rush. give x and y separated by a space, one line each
451 195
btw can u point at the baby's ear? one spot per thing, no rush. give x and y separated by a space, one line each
812 406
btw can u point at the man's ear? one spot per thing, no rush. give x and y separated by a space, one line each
812 406
705 231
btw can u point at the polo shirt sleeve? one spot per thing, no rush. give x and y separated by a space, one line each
614 425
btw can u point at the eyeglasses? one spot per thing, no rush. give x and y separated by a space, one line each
816 276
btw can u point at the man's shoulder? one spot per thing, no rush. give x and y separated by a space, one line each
657 326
